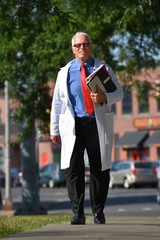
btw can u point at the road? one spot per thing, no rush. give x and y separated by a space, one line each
120 202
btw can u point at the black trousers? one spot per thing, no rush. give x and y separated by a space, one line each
87 138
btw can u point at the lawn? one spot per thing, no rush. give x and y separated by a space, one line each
16 224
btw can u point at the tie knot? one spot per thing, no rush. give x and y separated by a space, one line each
83 66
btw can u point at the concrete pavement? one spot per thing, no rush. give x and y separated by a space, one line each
116 228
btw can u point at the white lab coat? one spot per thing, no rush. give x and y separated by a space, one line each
63 121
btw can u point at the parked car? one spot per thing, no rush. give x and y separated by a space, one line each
158 185
51 176
155 164
156 169
2 179
0 199
132 173
14 178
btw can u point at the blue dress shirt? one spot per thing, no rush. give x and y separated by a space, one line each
74 86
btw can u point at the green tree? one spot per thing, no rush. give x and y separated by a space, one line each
31 36
129 26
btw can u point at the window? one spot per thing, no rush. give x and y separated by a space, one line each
114 108
142 95
1 158
158 152
1 93
158 104
127 100
0 116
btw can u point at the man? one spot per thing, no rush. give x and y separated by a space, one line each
76 130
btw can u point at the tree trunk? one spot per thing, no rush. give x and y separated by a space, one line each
30 183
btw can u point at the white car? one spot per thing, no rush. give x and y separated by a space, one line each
132 173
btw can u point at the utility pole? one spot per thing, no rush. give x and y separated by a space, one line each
7 204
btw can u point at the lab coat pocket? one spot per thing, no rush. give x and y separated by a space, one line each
66 123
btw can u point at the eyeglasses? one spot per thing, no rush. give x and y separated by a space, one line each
78 45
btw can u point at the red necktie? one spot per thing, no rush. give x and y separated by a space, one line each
88 103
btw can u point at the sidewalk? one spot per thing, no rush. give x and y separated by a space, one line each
116 228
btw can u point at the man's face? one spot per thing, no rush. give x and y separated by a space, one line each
82 48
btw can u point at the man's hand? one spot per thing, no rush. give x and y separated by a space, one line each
99 96
55 139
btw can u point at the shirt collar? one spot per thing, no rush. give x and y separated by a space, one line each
88 63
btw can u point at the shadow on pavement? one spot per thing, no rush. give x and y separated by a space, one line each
111 201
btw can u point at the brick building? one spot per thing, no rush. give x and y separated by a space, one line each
137 128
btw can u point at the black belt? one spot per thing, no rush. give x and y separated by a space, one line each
85 119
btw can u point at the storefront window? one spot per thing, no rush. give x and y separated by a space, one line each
138 154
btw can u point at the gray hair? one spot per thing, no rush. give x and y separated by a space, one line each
80 33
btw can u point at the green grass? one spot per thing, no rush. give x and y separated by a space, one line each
16 224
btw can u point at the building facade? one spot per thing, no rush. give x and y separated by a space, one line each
137 119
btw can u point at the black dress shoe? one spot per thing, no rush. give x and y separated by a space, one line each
99 219
78 219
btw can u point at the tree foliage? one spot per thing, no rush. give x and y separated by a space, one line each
35 42
32 33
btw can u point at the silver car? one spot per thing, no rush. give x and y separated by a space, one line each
132 173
